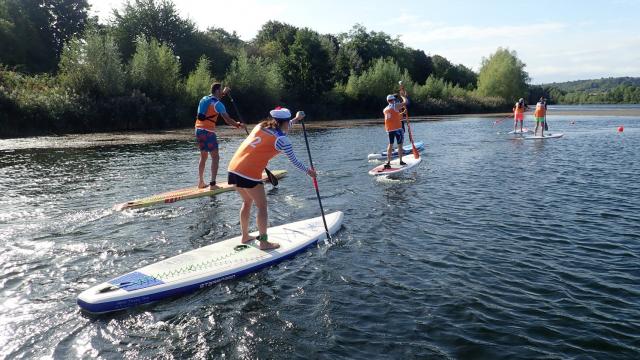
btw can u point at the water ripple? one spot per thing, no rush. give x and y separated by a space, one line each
494 248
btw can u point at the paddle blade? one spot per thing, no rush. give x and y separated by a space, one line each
272 178
416 153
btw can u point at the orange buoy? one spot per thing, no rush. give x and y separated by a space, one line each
620 128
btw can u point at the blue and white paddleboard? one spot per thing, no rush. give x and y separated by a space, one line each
204 267
407 149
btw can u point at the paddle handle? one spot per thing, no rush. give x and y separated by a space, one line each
315 181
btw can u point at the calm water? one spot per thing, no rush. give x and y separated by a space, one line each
595 108
495 248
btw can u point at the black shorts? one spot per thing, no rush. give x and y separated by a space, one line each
241 182
397 135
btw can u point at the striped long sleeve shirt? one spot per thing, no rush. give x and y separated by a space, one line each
284 145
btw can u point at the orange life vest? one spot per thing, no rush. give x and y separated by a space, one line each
519 108
392 118
254 153
207 114
541 110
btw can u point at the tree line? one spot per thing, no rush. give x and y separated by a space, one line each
621 90
63 71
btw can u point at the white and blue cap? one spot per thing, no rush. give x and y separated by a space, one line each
391 97
280 114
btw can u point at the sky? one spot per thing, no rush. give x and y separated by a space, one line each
558 40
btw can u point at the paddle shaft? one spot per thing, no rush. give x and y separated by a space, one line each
413 146
272 178
503 119
403 93
315 181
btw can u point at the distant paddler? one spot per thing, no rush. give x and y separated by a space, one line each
268 139
393 124
209 108
518 114
540 115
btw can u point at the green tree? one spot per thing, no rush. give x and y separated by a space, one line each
222 47
368 45
347 61
23 43
200 80
276 34
33 32
256 83
155 69
307 69
556 96
455 74
502 74
417 63
159 20
67 19
92 66
378 81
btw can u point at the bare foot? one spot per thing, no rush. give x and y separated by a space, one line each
214 187
249 239
201 185
265 245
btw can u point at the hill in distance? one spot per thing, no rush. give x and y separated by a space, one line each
594 85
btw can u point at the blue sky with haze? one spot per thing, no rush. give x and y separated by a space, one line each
558 40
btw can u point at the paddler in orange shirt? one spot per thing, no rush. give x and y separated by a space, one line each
540 114
518 114
393 124
266 140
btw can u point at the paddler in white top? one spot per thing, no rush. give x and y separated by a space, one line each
393 124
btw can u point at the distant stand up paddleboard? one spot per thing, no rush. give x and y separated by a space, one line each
407 149
204 267
546 136
523 131
396 168
187 193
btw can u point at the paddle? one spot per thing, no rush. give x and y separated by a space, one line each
272 178
501 120
315 181
416 154
546 127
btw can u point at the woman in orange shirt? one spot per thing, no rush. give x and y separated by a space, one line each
266 140
518 114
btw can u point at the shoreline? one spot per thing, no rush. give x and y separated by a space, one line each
142 137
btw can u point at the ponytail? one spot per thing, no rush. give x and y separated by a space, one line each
269 123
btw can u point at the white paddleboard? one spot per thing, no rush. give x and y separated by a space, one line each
205 266
546 136
524 131
396 168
